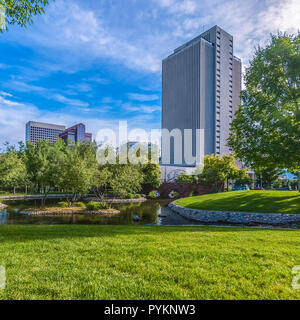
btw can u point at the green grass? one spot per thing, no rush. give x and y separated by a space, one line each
246 201
127 262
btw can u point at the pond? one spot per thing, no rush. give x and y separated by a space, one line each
154 212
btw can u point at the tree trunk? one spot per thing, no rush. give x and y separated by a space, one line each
298 174
14 190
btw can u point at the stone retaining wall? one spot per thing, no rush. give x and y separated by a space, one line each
236 217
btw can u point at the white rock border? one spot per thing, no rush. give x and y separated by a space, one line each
236 217
117 200
3 206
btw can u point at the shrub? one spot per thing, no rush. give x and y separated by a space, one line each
104 205
80 204
185 178
133 196
193 193
154 194
63 204
93 206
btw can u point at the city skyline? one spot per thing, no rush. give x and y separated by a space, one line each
90 68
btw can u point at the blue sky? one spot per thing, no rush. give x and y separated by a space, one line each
99 61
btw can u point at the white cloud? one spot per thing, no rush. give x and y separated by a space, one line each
5 94
179 6
141 109
72 102
47 93
143 97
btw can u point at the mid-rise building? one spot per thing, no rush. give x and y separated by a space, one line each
75 134
201 84
36 131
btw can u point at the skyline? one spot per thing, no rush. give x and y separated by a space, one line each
101 62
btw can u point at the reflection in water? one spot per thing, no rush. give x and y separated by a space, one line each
150 212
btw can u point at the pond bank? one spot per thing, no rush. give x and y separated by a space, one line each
245 218
116 200
69 212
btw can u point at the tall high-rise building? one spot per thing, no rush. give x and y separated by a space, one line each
36 131
76 134
201 84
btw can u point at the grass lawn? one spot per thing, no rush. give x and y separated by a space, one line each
246 201
128 262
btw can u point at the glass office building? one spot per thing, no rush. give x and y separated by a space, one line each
36 131
75 134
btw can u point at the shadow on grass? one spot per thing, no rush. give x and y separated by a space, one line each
23 233
249 202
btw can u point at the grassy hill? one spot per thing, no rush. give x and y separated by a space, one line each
246 201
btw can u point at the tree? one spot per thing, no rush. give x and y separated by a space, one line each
102 182
267 175
21 12
220 170
185 178
78 170
266 129
13 172
126 179
152 175
44 165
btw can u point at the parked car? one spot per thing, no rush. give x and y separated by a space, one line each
240 188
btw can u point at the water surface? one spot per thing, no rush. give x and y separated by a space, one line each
150 212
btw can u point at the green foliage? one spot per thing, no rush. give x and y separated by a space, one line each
219 170
126 179
266 176
152 174
94 206
266 131
80 204
133 196
102 181
78 169
21 12
63 204
193 193
13 173
153 194
185 178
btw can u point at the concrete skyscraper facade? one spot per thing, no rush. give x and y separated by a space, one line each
201 84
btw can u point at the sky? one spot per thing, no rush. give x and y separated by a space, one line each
99 61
